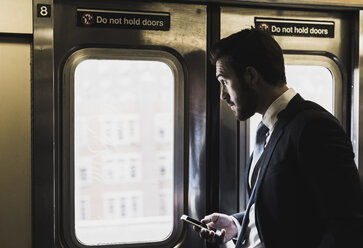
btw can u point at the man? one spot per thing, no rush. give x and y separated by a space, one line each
303 183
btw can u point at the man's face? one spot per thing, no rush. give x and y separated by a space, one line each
238 93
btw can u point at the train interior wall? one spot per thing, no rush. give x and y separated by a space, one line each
16 30
15 123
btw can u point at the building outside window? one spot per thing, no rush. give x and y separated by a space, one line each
123 136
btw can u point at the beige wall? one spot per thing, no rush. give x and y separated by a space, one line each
15 124
15 143
16 16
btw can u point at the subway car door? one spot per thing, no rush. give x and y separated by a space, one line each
119 123
318 48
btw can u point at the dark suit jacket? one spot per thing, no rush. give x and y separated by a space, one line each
309 194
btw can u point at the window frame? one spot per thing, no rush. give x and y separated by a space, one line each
67 179
333 64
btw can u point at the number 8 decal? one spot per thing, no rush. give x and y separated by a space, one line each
43 10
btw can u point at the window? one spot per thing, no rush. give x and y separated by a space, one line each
131 105
318 81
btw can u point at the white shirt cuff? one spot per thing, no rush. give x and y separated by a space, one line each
239 227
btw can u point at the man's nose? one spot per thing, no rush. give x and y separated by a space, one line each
224 93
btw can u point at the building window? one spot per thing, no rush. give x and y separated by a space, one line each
84 172
135 206
165 205
124 168
123 206
119 130
111 208
163 127
165 166
83 213
128 204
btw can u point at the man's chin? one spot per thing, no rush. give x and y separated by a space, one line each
243 116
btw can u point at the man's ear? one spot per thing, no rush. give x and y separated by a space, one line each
251 76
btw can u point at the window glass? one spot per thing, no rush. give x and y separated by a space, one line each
314 83
123 151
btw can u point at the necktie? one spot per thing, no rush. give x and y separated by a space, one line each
242 236
261 135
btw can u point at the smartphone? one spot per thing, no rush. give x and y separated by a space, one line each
197 223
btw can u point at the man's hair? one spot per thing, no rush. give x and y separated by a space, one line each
252 47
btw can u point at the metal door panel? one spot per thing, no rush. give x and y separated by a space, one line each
186 40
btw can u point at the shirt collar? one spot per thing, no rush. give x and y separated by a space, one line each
270 116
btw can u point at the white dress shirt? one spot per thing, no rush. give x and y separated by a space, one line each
269 119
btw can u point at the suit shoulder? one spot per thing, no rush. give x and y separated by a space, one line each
314 121
310 112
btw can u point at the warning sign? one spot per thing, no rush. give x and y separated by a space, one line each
123 19
299 28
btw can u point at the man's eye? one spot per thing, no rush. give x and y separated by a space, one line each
224 82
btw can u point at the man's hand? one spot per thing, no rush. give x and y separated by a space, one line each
221 222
